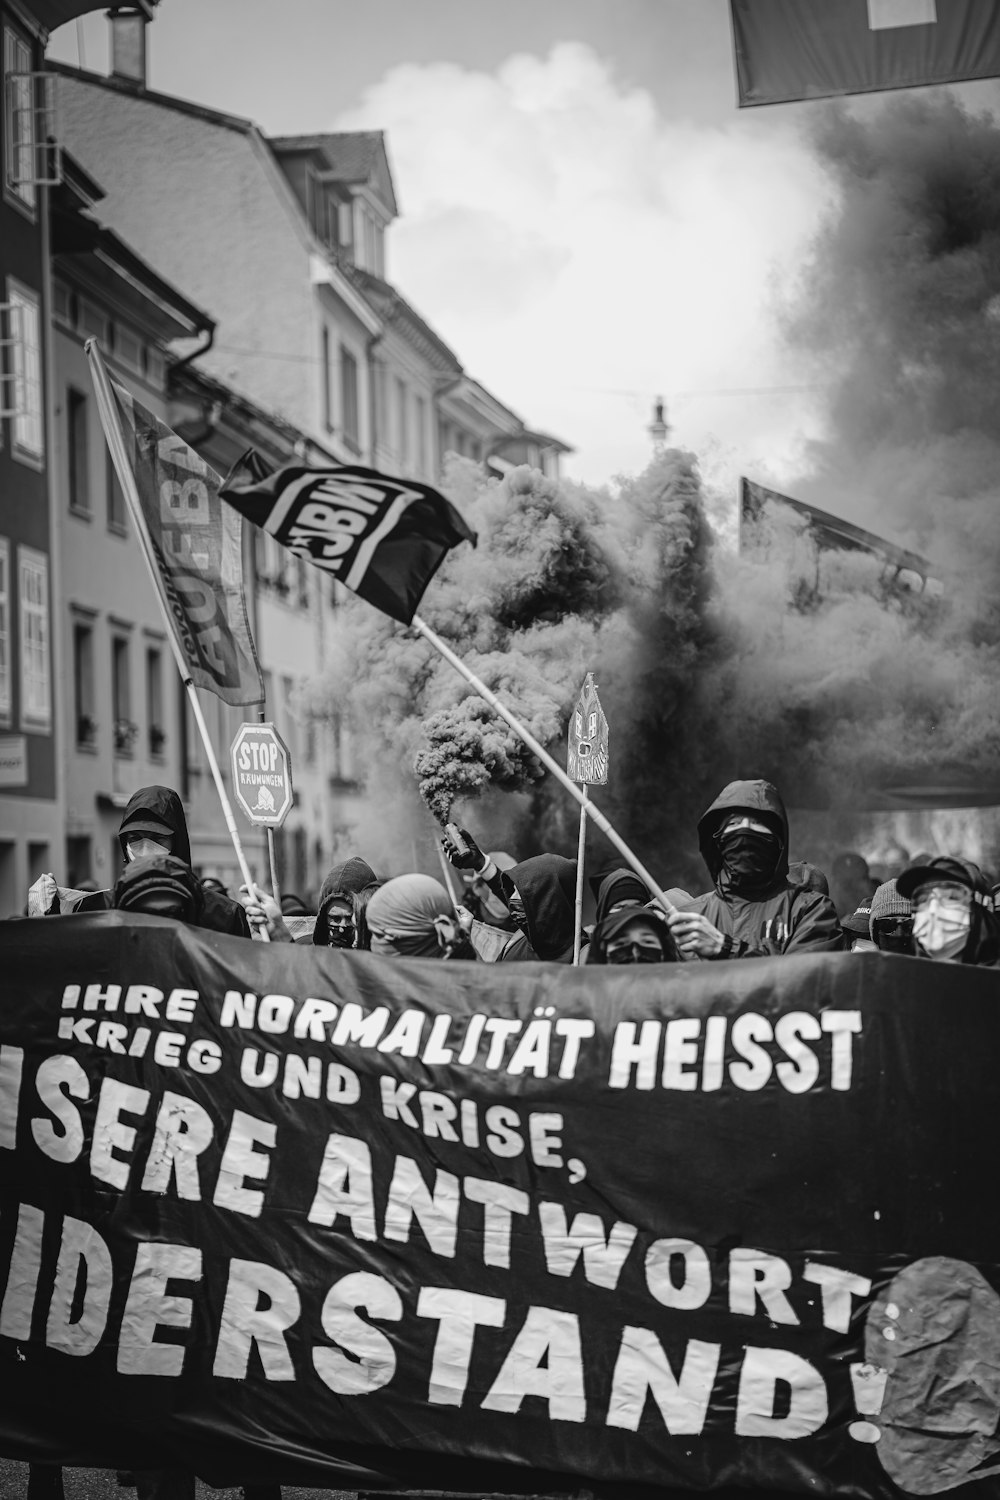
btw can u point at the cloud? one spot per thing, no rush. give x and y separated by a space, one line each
583 253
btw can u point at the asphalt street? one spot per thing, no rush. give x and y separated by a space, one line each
101 1484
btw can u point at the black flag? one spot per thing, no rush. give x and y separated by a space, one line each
810 49
382 538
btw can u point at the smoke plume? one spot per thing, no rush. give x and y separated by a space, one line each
811 669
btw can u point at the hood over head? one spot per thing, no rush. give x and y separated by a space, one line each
758 799
401 916
546 884
156 810
621 885
343 881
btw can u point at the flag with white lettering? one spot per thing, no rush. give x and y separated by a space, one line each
327 1218
383 538
812 49
198 549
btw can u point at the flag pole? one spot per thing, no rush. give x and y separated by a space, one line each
119 457
581 851
589 809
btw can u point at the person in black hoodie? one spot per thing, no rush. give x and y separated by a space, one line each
754 910
153 823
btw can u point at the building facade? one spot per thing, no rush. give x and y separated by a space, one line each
32 797
119 698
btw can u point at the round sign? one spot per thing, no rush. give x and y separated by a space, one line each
262 774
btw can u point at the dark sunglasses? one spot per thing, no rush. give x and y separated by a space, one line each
894 934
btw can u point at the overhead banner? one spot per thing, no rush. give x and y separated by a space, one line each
326 1218
811 49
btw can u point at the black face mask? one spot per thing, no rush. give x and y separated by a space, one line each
637 955
750 859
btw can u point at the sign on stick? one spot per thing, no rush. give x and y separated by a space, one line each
587 760
262 774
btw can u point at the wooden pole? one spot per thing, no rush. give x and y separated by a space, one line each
581 851
108 413
590 810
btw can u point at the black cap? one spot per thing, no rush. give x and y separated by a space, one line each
857 922
943 868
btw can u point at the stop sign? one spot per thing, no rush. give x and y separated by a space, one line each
262 774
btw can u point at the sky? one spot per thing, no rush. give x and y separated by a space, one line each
586 216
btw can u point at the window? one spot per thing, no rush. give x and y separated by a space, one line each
5 673
25 371
154 702
345 226
121 696
402 434
349 396
36 684
83 687
116 502
18 119
327 382
76 444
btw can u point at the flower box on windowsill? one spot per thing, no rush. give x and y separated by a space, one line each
125 736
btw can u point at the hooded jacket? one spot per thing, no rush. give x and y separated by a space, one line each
546 884
782 918
342 882
156 810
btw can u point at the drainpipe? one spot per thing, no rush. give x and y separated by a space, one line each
188 359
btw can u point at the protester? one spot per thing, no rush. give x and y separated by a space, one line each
335 926
618 889
857 929
294 906
754 910
213 883
412 916
153 823
632 934
954 913
890 919
851 884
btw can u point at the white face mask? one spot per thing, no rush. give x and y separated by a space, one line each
143 848
942 928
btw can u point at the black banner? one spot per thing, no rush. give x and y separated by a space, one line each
322 1217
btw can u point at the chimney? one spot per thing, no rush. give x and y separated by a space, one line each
128 43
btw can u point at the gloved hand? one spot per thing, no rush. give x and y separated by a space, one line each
42 895
469 858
